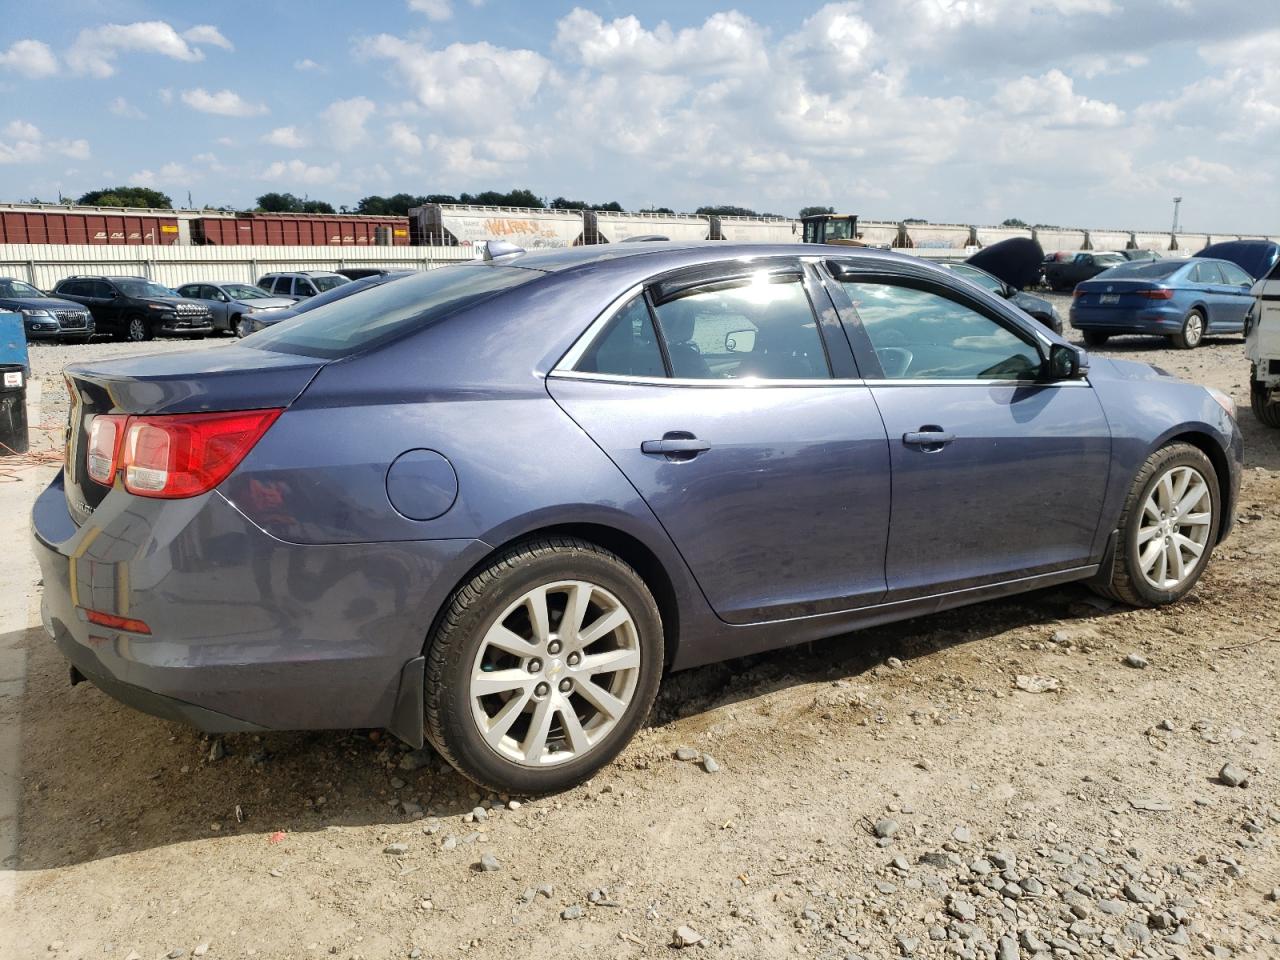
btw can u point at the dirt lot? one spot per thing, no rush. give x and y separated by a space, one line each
884 794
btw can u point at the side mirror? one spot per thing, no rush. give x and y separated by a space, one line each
740 341
1065 363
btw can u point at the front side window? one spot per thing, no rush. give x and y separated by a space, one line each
1235 276
16 288
302 287
760 327
627 346
919 335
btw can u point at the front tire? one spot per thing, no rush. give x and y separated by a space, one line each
242 328
1168 528
543 666
1095 338
137 330
1192 332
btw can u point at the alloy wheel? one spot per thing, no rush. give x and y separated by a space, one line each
1193 331
137 329
1173 533
555 673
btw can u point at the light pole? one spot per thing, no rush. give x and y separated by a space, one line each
1177 201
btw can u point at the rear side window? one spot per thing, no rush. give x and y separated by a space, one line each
628 346
1208 273
381 313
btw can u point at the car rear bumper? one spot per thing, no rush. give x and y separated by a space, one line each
247 631
1158 320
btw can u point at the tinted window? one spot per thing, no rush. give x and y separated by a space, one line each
980 277
387 310
100 288
1208 273
142 288
72 288
920 335
1234 275
302 287
760 328
627 346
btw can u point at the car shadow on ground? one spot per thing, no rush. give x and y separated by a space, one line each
101 779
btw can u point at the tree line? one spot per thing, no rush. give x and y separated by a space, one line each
399 204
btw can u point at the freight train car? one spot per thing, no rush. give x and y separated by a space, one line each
605 226
300 229
94 226
755 229
463 225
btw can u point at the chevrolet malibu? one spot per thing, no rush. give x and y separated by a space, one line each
489 505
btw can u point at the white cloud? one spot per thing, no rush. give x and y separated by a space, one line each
123 108
32 59
344 121
432 9
285 137
725 42
305 64
96 49
298 172
225 103
24 142
402 138
207 34
474 84
1051 101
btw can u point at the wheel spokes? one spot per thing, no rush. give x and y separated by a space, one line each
500 681
604 625
609 662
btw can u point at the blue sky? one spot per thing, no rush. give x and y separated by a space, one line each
1072 112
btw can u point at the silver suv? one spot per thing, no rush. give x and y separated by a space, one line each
301 284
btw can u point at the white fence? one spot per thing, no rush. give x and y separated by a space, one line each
43 265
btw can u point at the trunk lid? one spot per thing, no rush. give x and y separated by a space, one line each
233 377
1116 294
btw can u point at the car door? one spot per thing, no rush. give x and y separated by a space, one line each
104 303
737 414
1206 281
1238 287
996 476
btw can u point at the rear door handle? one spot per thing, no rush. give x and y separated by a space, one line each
928 438
676 445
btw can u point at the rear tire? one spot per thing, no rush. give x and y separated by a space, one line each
513 699
1095 338
1139 576
1266 410
1192 332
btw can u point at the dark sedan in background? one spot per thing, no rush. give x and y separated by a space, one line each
1063 275
1037 307
490 504
1184 300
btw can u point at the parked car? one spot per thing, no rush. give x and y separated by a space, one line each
490 504
302 284
1258 258
135 308
230 303
1139 255
1262 348
1065 274
261 321
1184 300
1037 307
45 317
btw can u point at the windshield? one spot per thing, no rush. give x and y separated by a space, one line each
243 291
144 288
328 283
381 311
1147 270
16 288
839 230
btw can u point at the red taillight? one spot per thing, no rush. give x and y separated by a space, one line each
115 622
100 456
1077 292
184 455
1159 293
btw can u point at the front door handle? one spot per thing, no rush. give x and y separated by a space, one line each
676 445
928 438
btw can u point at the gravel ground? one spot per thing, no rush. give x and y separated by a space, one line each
887 794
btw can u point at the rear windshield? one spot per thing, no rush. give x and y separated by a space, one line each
382 312
1148 268
328 283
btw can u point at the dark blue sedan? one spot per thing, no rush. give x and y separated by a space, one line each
1184 300
490 505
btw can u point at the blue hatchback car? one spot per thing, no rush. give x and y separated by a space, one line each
490 504
1184 300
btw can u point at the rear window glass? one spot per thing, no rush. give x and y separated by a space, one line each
385 311
1157 268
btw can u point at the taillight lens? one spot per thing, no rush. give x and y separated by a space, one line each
104 447
1160 293
184 455
1077 292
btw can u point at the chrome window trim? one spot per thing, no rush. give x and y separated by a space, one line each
752 383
